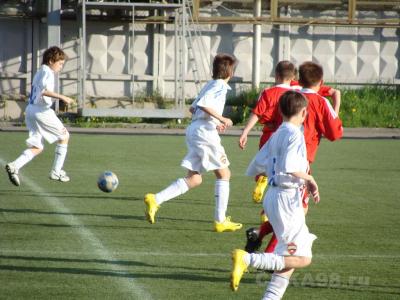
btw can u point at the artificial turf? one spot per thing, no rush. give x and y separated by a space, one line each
71 241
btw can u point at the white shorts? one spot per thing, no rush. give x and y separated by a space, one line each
43 123
286 215
205 152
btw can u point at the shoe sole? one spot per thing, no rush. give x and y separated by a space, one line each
10 176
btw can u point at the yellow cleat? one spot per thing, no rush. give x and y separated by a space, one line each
263 218
239 267
227 225
151 207
261 185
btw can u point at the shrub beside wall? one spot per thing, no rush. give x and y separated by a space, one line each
370 106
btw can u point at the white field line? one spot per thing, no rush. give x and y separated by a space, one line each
119 254
86 235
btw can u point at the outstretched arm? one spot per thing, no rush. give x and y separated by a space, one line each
226 122
336 98
250 124
66 99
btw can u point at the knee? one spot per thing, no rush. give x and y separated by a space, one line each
194 180
224 174
306 261
65 138
35 151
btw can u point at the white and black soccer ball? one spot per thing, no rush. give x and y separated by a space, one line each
107 181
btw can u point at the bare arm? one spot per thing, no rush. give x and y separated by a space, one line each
250 124
66 99
336 98
225 121
311 184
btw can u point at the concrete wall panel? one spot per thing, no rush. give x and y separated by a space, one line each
349 55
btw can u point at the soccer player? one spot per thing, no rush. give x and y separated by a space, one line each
284 159
324 91
266 113
41 120
205 152
322 120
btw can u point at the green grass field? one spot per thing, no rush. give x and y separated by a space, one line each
71 241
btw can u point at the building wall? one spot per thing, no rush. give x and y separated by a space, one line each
349 55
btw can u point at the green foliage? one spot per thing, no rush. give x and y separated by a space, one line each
371 106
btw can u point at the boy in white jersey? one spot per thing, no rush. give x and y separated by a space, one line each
41 120
284 160
205 152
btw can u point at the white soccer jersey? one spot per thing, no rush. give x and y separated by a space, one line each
284 153
43 80
40 119
205 152
212 95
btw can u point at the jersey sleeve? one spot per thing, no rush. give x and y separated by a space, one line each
264 108
261 105
258 164
324 91
208 98
329 122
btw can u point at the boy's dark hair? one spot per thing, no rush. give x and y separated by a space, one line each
310 74
52 55
285 70
223 66
291 102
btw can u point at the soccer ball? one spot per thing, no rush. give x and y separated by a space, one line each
107 181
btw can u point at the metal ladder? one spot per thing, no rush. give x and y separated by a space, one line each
189 33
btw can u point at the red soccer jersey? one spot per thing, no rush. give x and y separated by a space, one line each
267 110
323 89
321 120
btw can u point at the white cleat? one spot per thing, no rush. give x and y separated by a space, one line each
61 176
12 174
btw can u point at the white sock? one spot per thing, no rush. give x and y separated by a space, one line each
175 189
23 159
59 158
266 261
276 287
221 199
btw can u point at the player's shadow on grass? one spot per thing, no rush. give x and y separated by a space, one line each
179 275
41 212
76 260
62 195
129 227
99 195
117 262
208 202
77 214
118 273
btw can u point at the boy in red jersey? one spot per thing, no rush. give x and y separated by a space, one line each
322 119
267 113
324 91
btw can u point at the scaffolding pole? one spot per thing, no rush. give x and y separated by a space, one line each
256 46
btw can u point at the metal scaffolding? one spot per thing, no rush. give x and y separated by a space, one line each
180 31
